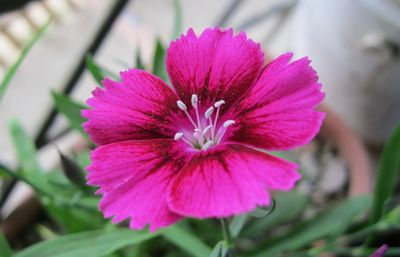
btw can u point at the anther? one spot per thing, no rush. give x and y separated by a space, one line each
219 103
211 134
228 123
181 105
178 136
195 99
209 112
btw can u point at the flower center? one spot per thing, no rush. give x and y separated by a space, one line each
205 135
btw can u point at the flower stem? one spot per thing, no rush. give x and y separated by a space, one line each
225 231
227 237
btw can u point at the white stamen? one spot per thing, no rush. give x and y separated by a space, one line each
219 103
221 131
181 105
178 135
198 118
207 145
216 105
209 112
228 123
206 129
195 99
211 135
198 137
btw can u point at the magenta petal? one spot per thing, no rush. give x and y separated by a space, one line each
228 179
381 251
216 65
133 177
279 110
142 106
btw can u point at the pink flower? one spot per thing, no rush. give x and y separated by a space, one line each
193 150
381 251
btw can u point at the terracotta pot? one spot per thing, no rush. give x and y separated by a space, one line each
352 149
354 45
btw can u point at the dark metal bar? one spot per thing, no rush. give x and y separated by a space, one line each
271 11
80 68
278 25
41 138
11 5
8 186
228 12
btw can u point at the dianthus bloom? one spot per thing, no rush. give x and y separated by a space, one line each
193 149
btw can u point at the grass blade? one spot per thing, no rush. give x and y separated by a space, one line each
388 171
186 241
31 172
94 69
293 201
98 72
73 172
138 61
159 61
5 249
13 69
237 224
70 109
178 22
96 243
329 224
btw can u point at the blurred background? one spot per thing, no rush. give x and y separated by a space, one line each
353 44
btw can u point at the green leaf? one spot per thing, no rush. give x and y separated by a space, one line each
73 172
83 159
13 69
70 109
220 250
261 212
159 61
4 174
186 241
139 62
45 233
216 252
237 224
98 72
5 249
330 223
393 217
178 22
73 218
31 172
388 171
293 201
26 150
93 243
94 69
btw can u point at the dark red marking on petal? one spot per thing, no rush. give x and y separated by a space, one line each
140 107
215 65
228 179
278 112
133 177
